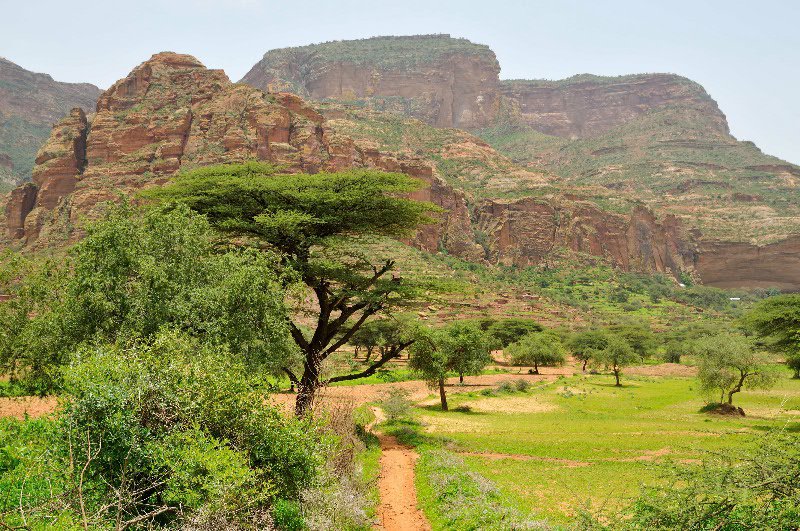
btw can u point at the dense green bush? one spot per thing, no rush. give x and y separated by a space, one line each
133 274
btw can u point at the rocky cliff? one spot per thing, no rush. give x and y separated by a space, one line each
528 231
29 105
586 105
172 113
444 81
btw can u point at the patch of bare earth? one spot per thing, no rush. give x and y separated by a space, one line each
418 390
663 369
27 406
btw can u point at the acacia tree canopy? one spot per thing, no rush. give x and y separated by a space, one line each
617 354
312 220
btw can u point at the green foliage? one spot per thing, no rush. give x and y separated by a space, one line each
638 335
729 363
586 344
313 221
503 332
288 516
616 355
756 486
777 320
396 404
185 421
458 348
537 349
134 274
297 211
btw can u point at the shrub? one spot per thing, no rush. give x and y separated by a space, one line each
505 387
522 385
288 516
182 423
396 404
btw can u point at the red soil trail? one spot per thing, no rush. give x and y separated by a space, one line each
398 509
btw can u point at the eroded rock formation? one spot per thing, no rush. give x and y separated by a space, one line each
170 113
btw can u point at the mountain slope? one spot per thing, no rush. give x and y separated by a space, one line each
29 105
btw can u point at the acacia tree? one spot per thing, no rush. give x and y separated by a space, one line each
312 222
616 355
729 363
777 320
585 345
458 348
537 349
638 335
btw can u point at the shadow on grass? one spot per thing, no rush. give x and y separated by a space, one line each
409 432
790 427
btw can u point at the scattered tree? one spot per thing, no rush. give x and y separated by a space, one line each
585 345
312 221
616 355
459 348
537 349
638 335
729 363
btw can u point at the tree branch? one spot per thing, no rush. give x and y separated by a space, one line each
390 354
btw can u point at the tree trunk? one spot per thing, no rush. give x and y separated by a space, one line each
369 354
737 388
585 362
308 386
616 375
442 394
535 368
461 377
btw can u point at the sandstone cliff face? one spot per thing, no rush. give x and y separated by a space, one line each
29 105
171 113
733 264
586 106
443 81
526 232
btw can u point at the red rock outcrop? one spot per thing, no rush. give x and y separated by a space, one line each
171 113
585 106
29 105
527 231
444 81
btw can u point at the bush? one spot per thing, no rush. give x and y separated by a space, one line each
182 423
396 404
505 387
288 516
523 385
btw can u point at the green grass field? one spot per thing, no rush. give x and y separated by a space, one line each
580 442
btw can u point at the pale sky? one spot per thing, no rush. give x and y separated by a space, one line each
745 53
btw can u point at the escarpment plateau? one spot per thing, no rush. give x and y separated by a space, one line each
444 81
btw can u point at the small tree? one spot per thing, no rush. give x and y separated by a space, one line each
777 320
638 335
585 345
729 363
506 331
537 349
458 348
616 355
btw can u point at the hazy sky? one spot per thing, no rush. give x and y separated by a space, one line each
745 53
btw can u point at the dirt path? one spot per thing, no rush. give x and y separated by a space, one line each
398 509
